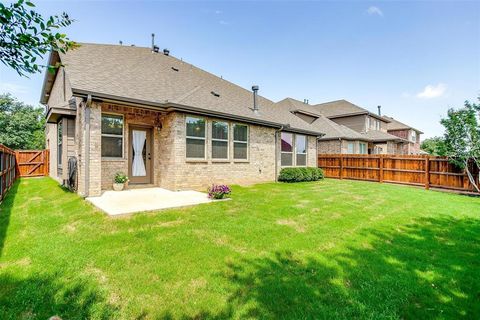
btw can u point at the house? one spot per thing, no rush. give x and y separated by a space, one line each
337 138
372 127
412 135
164 122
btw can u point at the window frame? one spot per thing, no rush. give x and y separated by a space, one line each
240 141
354 149
413 136
205 137
291 152
296 151
113 135
360 144
60 143
212 139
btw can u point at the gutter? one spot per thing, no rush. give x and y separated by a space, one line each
87 145
276 152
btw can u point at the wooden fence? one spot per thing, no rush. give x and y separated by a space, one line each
32 163
7 170
417 170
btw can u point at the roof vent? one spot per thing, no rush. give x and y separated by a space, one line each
305 101
166 52
215 94
255 96
379 110
156 49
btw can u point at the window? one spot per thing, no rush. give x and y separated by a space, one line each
301 150
195 138
368 123
240 142
363 148
378 125
287 149
414 136
219 140
351 147
112 136
59 142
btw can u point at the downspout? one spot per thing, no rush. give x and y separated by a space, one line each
276 152
87 145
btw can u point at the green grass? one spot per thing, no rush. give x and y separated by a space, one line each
328 249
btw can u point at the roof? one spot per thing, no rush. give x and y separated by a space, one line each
137 74
331 129
343 108
377 136
397 125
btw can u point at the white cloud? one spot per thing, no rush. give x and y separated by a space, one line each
12 88
223 22
375 11
432 91
218 11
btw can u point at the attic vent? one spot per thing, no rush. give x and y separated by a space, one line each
175 69
215 94
166 52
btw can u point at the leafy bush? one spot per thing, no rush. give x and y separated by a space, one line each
219 191
120 177
300 174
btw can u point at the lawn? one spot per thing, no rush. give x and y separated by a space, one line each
328 249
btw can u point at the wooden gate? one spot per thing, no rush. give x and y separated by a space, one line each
32 163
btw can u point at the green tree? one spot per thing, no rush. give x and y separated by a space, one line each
434 146
25 35
22 126
462 138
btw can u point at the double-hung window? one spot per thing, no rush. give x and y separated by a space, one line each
195 138
112 135
301 150
287 149
351 147
414 136
59 142
219 140
240 142
363 148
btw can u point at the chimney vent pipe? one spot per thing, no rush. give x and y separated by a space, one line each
255 96
379 110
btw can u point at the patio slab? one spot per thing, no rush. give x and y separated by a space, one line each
147 199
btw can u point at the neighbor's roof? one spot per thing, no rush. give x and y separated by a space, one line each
397 125
377 136
331 129
343 108
136 74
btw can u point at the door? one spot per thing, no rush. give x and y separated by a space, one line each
140 155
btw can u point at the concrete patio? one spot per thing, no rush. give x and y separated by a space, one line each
147 199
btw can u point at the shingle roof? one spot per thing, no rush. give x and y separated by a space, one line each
138 74
397 125
331 129
377 136
341 108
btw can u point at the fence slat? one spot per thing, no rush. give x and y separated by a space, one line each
418 170
8 173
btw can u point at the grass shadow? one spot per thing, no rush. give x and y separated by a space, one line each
428 269
5 212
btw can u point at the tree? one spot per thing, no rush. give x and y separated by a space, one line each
25 36
434 146
462 138
22 125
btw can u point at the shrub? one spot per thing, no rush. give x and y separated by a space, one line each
219 191
300 174
120 177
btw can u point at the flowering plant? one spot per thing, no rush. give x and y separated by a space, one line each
219 191
120 177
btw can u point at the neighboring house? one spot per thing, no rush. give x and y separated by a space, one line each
371 126
164 122
337 138
399 129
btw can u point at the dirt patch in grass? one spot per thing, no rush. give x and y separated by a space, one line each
292 223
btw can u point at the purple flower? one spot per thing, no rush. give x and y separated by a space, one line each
218 191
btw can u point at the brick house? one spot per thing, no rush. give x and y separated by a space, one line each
412 135
164 122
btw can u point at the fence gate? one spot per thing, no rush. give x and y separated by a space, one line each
32 163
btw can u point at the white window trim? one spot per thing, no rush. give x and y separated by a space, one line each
296 151
292 152
360 148
354 148
240 141
196 138
114 135
222 140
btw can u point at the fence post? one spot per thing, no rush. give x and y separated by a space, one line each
341 166
380 164
427 172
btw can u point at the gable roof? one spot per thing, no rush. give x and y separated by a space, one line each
397 125
137 75
331 129
343 108
378 136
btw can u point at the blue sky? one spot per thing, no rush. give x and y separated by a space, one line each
416 59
